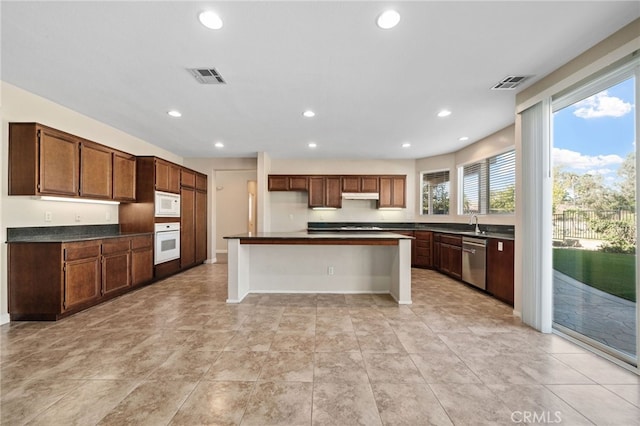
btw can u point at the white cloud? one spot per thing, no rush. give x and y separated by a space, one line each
576 160
601 105
604 171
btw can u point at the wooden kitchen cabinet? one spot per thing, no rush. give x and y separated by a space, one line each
46 161
116 264
287 183
193 225
81 273
187 178
359 184
187 227
436 251
124 176
96 171
392 192
141 259
423 249
42 161
500 270
201 225
450 248
167 176
325 191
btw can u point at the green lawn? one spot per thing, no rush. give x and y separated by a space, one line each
610 272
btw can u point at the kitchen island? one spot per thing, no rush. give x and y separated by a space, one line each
300 262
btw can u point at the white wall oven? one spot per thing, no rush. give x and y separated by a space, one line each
167 237
167 204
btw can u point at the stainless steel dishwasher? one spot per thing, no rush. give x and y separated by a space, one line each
474 261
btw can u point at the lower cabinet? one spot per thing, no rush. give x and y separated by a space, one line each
423 257
450 255
141 259
81 267
500 278
116 264
73 276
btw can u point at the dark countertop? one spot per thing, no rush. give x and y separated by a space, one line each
66 234
504 232
319 236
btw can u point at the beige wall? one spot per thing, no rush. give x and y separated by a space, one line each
18 105
232 199
496 143
289 211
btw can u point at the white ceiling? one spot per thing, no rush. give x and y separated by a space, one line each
123 63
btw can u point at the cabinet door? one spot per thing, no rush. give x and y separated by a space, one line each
141 259
96 171
141 266
187 227
398 198
316 191
201 226
333 196
201 182
167 177
59 163
351 184
500 269
436 254
278 183
81 281
385 199
124 177
369 183
188 178
115 272
423 256
455 262
298 183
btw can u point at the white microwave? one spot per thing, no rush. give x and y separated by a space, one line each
167 205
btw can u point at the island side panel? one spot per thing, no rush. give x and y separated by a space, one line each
237 270
401 273
286 268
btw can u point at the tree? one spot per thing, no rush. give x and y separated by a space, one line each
627 191
503 201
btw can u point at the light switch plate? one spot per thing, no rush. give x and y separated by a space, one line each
500 246
48 217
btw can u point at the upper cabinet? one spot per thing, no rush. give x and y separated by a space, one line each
360 183
392 191
42 161
96 170
167 176
324 191
327 190
124 176
187 178
45 161
288 183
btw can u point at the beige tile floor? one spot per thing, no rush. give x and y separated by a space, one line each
175 353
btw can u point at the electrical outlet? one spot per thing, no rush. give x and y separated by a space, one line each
330 270
500 248
48 217
77 217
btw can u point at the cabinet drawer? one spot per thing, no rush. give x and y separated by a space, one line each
75 251
144 241
452 240
424 236
423 251
115 246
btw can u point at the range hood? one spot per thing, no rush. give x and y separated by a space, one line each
360 195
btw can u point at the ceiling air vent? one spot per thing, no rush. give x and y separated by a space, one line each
509 83
207 75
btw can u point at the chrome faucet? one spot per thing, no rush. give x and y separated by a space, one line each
471 222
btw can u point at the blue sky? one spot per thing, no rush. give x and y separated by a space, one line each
596 134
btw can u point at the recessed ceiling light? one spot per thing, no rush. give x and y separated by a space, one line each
312 145
444 113
218 145
388 19
210 19
308 113
406 145
464 138
175 113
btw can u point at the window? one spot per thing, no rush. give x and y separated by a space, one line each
488 186
435 192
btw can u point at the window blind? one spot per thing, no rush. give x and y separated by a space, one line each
488 186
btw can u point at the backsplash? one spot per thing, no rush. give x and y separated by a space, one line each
65 231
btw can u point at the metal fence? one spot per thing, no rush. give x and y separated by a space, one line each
577 223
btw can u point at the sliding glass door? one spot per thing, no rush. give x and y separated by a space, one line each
594 213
